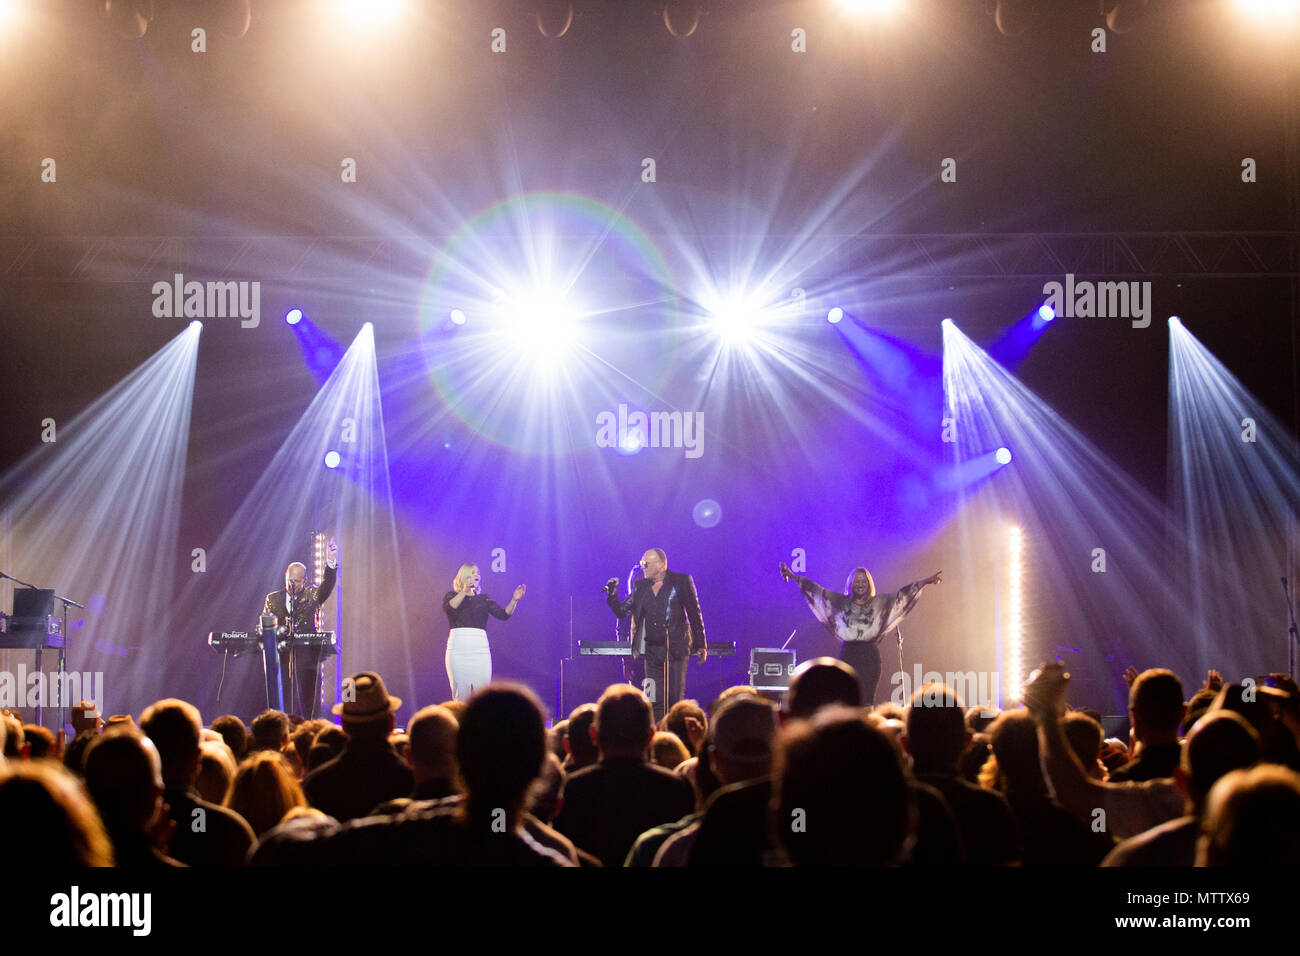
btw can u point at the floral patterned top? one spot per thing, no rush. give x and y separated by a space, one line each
849 621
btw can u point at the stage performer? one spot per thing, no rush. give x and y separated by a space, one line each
666 627
469 659
859 618
295 608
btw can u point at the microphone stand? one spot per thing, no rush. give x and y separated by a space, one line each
63 659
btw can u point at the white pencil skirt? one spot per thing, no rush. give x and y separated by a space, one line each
469 661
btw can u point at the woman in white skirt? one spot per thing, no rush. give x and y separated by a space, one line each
469 660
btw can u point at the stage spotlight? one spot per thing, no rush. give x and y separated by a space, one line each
1269 9
1046 313
1175 320
196 326
733 321
707 513
834 315
542 326
632 442
877 7
1003 456
293 316
332 459
947 323
682 17
129 18
458 316
369 12
554 17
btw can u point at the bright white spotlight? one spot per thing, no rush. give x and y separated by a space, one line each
332 459
834 315
196 326
364 13
946 323
458 316
632 442
1175 320
1269 9
736 318
542 326
1046 313
293 316
874 7
1003 456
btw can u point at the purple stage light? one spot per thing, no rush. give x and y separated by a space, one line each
1003 456
293 316
834 315
1046 313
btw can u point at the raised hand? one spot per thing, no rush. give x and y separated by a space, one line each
696 731
1130 675
786 573
934 578
332 552
1045 691
1213 681
519 591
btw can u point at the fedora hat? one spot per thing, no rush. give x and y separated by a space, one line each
370 700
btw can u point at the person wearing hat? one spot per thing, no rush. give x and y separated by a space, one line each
368 771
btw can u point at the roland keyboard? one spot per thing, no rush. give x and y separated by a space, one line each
238 642
623 649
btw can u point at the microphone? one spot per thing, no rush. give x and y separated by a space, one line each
610 586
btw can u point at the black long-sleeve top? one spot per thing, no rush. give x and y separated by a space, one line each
473 611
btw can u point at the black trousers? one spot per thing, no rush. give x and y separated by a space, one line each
300 678
661 677
864 658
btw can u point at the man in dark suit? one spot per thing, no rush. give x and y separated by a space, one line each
295 608
666 627
206 834
608 805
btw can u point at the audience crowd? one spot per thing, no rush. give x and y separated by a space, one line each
814 780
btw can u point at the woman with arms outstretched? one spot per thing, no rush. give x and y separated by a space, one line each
859 618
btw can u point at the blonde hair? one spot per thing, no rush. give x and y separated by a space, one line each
458 582
264 790
871 583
